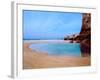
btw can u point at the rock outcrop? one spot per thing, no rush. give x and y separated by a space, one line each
85 34
84 37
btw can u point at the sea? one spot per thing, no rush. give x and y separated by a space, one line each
57 49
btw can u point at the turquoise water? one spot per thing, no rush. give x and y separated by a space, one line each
61 49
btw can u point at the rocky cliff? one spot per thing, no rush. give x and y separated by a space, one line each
85 34
84 37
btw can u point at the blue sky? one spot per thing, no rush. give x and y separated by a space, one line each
50 25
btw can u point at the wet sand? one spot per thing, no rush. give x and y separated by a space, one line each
33 59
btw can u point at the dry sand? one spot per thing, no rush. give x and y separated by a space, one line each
33 59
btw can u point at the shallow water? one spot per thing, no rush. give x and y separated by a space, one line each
60 49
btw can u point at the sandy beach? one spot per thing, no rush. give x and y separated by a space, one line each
33 59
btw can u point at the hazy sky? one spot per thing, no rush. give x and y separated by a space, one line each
50 25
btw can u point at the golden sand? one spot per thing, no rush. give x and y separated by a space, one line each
33 59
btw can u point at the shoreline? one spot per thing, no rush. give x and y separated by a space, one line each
34 60
44 41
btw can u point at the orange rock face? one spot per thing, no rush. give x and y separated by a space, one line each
85 40
84 37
